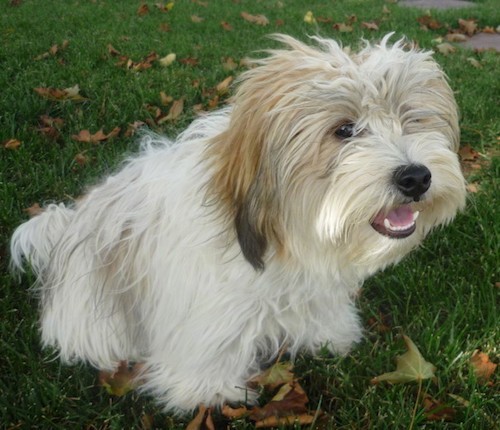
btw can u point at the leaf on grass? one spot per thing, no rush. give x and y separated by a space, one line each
278 374
472 187
164 27
343 28
255 19
410 366
234 413
474 63
113 51
309 18
189 61
174 112
483 367
33 210
270 422
228 64
202 420
167 60
427 22
456 37
435 410
290 400
143 9
86 137
121 381
446 48
226 26
165 98
197 19
370 25
56 94
11 144
81 158
52 52
223 86
468 26
133 127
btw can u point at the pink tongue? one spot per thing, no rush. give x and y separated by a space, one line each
400 216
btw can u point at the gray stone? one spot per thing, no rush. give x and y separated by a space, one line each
437 4
482 41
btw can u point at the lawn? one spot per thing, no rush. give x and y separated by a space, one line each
444 296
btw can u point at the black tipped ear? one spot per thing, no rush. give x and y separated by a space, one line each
253 244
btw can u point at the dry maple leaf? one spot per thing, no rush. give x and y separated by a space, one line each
410 366
223 86
167 60
370 25
121 381
428 22
11 144
197 19
113 51
467 153
270 422
309 18
56 94
189 61
446 48
226 26
456 37
255 19
278 374
468 26
203 419
81 159
234 413
343 28
482 366
133 127
33 210
174 112
86 137
435 410
143 9
228 64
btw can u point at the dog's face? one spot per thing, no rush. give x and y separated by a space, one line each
336 155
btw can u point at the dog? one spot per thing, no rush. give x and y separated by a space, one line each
254 229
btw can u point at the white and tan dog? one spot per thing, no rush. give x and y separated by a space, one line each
255 228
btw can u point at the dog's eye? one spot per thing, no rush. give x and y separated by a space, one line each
345 131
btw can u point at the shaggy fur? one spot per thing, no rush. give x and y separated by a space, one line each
255 229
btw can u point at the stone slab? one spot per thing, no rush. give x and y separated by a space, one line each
437 4
484 41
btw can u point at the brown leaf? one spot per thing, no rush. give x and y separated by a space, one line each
483 367
467 153
290 400
203 419
228 64
133 127
278 374
197 19
143 9
113 51
165 99
174 112
343 28
472 187
370 25
446 48
11 144
234 413
86 137
223 86
121 381
226 26
56 94
33 210
324 20
435 410
455 37
269 422
189 61
428 22
51 122
164 27
81 159
255 19
468 26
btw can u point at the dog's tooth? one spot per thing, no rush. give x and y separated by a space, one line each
387 224
415 215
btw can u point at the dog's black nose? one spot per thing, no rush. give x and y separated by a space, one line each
412 180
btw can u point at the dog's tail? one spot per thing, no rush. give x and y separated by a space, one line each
34 240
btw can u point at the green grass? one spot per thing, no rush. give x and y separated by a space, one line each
443 296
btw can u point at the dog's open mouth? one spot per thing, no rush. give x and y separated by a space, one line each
398 223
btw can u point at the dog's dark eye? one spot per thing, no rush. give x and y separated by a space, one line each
345 131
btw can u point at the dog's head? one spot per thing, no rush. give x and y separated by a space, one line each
335 154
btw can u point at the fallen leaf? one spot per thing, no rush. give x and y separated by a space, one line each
278 374
81 159
410 366
483 367
143 9
56 94
189 61
428 22
228 64
269 422
167 60
11 144
86 137
456 37
323 20
255 19
343 28
203 419
370 25
234 413
223 86
472 187
474 63
112 51
33 210
309 18
468 26
488 30
467 153
445 48
174 112
121 381
197 19
133 127
435 410
226 26
164 27
165 98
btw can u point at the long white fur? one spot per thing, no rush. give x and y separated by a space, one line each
147 268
